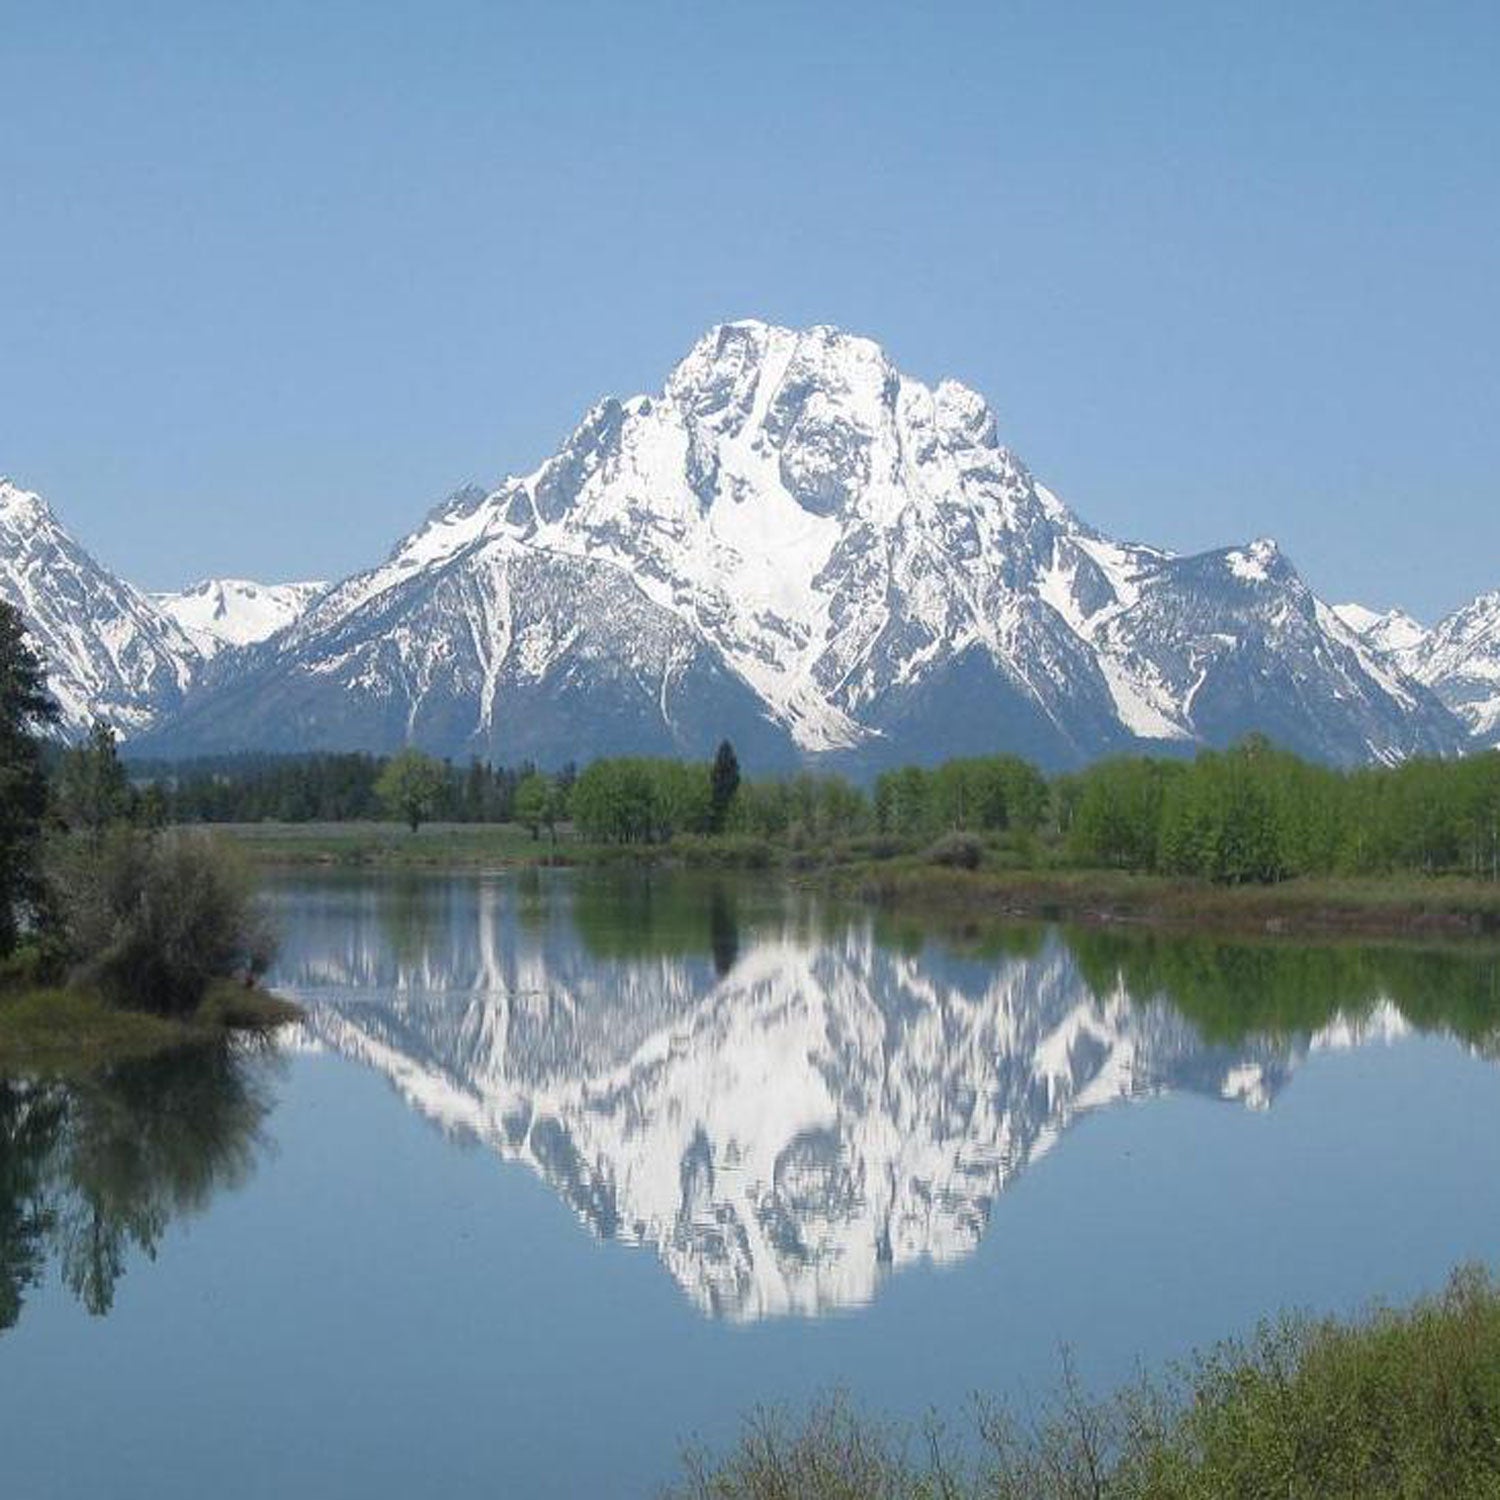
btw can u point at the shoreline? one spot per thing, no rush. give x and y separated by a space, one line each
57 1030
1449 908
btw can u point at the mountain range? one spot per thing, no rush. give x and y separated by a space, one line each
792 544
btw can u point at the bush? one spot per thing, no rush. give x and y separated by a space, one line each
959 851
150 920
1397 1404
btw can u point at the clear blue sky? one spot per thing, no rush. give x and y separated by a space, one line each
274 277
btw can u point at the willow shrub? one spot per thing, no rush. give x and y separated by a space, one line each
151 919
1397 1405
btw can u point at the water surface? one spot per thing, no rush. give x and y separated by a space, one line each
566 1169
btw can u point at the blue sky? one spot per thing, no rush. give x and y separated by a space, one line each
274 277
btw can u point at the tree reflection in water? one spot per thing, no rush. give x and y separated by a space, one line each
92 1169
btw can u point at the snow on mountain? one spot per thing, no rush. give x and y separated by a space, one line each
798 545
784 1131
1458 659
222 612
109 651
1392 632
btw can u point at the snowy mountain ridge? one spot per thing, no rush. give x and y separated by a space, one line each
108 650
220 612
1458 658
112 651
798 545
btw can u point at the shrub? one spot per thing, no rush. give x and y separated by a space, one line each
959 851
1396 1404
150 920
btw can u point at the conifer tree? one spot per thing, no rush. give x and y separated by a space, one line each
26 709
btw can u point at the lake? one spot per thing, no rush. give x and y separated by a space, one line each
567 1169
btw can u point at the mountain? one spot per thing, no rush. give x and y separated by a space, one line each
222 612
784 1127
1458 659
797 545
109 651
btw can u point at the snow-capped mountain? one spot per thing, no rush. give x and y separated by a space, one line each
783 1129
1391 632
1460 661
222 612
1458 658
799 546
109 651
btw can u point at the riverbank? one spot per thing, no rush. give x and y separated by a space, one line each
910 881
1400 907
61 1030
1392 1404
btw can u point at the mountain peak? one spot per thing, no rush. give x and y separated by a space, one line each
20 507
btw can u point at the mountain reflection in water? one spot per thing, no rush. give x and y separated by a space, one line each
94 1169
787 1105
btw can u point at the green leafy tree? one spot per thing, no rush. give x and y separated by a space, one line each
724 782
410 787
26 710
539 804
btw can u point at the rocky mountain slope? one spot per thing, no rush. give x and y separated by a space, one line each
110 652
797 545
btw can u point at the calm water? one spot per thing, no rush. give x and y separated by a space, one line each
563 1171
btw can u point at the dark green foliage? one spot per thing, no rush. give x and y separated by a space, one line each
724 782
149 920
90 787
26 711
1394 1406
318 788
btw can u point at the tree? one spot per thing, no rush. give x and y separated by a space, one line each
409 787
724 783
538 803
26 710
93 790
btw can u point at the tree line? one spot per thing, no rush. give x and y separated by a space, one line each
1251 814
329 787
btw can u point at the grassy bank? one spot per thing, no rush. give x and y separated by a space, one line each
1392 1406
915 881
1399 906
59 1030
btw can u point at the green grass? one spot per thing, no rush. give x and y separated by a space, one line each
60 1029
1396 1405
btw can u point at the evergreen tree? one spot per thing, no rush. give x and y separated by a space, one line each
26 709
724 783
92 789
